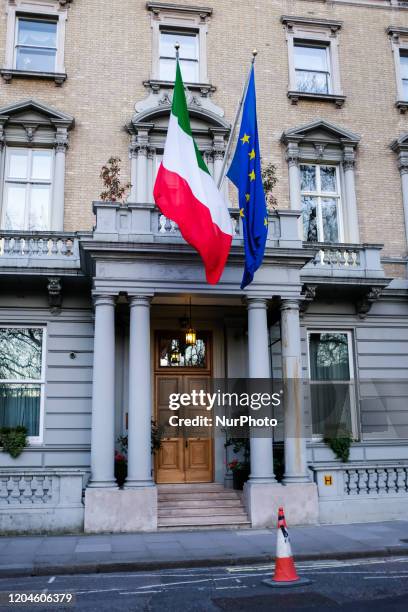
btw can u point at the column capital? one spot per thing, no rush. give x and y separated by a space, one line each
292 154
256 302
403 162
61 140
290 304
104 300
140 300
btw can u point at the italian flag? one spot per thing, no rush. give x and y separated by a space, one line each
186 193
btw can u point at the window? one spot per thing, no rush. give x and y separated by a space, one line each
35 42
187 25
27 189
36 45
331 383
22 371
175 353
188 54
313 59
312 68
320 197
404 73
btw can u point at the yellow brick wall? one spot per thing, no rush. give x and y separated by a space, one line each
108 56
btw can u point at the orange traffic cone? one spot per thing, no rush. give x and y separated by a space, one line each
285 572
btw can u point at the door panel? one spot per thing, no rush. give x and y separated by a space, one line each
188 455
169 461
198 460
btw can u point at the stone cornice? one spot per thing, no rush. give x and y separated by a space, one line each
156 7
291 20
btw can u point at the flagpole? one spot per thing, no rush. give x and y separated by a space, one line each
234 127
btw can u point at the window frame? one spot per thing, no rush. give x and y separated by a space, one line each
35 10
36 19
314 33
328 72
29 181
183 19
319 195
190 32
34 440
354 420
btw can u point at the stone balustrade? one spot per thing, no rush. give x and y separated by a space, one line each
355 492
345 260
39 250
382 480
39 501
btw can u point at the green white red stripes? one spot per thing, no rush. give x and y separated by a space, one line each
186 193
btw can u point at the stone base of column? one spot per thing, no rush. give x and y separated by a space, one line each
299 501
120 511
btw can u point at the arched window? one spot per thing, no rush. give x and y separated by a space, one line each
148 130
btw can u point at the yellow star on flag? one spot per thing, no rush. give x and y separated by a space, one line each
245 138
252 154
266 222
252 175
241 212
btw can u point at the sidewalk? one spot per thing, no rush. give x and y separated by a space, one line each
71 554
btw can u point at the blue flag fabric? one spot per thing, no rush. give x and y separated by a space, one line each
245 173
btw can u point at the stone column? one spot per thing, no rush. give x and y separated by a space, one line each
259 367
141 186
57 204
350 216
295 443
150 174
218 161
103 395
292 157
140 395
133 150
403 168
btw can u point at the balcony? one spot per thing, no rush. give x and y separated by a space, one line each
144 223
39 253
342 263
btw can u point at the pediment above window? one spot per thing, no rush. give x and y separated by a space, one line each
320 141
320 130
32 122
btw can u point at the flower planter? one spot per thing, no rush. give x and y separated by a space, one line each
239 477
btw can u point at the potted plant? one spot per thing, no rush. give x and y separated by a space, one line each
120 468
110 174
240 468
240 473
121 457
13 440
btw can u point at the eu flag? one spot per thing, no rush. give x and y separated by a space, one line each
245 173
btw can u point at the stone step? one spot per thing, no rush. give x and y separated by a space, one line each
198 521
201 503
210 511
196 496
204 487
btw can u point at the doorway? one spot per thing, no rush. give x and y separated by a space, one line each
186 454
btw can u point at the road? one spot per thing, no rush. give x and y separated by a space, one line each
352 586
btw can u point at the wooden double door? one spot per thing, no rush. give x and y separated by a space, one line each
186 454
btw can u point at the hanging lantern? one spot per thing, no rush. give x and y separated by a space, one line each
191 334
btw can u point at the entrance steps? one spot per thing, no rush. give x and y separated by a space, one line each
200 506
